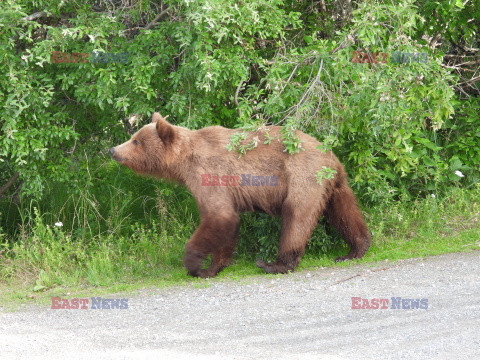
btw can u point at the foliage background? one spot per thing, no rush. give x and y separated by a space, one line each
401 129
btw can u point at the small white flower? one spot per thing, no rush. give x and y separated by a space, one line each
459 173
59 224
433 196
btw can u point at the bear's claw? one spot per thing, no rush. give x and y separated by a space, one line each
261 264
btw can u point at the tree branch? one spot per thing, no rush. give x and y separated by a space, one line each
235 99
35 16
9 183
154 21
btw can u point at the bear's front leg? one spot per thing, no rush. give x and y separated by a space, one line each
217 236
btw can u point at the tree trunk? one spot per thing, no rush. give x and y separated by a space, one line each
9 183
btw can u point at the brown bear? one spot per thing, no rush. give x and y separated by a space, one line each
265 178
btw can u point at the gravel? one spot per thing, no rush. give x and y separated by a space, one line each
303 315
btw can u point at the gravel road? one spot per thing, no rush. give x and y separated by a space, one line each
304 315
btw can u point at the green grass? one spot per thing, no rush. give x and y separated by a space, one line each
115 241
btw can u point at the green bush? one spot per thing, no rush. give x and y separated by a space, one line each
403 130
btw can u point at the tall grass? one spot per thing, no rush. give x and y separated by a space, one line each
126 227
123 226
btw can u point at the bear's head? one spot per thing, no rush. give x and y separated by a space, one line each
149 149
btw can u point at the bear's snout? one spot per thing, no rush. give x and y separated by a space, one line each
115 155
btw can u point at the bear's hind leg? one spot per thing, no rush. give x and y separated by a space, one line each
297 226
217 235
344 215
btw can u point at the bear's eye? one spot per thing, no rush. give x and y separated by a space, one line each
135 142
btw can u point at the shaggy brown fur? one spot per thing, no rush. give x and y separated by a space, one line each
291 191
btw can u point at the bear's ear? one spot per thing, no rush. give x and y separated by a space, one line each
157 117
165 130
